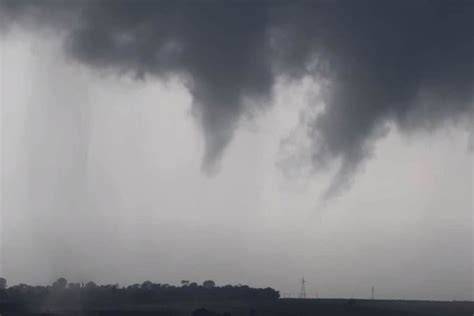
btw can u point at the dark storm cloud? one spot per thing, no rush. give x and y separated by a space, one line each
404 62
407 62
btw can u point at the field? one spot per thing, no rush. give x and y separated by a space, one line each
283 307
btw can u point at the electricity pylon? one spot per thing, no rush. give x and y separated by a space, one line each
303 289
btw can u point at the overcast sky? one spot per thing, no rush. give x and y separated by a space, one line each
250 144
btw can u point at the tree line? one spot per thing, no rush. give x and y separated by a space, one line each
62 294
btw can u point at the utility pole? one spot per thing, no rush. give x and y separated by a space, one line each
373 293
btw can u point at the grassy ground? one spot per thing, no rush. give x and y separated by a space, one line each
282 307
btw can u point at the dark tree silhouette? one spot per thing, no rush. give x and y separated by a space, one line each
3 283
91 296
209 284
60 284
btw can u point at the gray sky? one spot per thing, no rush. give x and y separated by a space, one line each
121 168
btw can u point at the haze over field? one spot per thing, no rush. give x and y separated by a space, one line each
250 143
